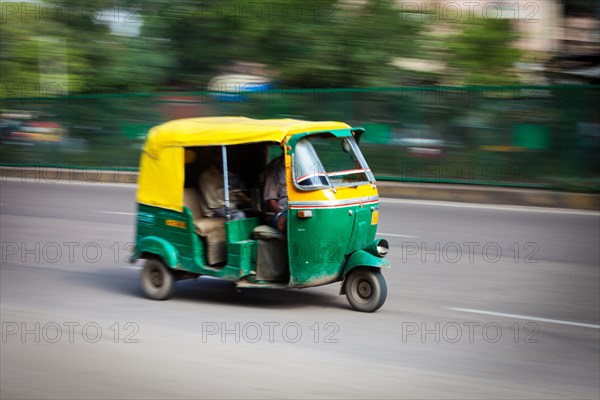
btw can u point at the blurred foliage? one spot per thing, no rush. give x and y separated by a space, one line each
23 46
351 48
72 51
183 44
482 54
158 64
307 44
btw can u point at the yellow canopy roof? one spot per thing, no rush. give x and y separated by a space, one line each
162 174
212 131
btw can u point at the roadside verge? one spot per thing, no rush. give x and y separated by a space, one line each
399 190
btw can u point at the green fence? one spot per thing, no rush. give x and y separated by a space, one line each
545 137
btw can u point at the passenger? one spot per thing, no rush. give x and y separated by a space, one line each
275 194
213 195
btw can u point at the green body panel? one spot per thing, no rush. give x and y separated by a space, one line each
242 255
241 249
319 246
363 258
362 231
159 247
241 229
322 249
184 241
152 223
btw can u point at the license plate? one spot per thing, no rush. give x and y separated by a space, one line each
375 217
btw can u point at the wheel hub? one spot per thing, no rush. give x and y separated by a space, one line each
364 289
156 278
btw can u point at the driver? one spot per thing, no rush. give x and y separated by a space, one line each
275 194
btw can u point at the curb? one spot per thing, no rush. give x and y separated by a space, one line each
399 190
489 195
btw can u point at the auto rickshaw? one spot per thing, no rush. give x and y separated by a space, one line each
332 210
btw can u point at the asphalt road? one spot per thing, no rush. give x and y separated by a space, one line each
483 302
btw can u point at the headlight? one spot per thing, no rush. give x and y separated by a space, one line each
379 247
382 248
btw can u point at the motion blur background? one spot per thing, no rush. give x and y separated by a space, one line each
501 93
478 92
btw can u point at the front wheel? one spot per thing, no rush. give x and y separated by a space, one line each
157 281
365 288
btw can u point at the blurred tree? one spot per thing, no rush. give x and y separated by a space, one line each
202 36
132 65
483 53
326 43
185 43
332 45
65 47
36 59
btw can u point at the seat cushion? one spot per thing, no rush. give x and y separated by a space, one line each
266 232
191 200
204 226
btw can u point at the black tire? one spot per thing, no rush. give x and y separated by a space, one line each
366 289
157 280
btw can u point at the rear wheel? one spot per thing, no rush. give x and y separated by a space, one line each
157 280
366 289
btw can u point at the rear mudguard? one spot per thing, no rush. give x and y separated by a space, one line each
159 247
362 258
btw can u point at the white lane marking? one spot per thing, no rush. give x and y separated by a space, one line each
4 179
136 267
491 206
115 212
396 235
524 317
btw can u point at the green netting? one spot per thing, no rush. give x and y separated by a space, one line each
511 136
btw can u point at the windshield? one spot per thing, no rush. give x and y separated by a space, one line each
329 161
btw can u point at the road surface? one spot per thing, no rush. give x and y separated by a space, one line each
483 302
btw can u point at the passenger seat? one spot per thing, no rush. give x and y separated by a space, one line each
212 229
